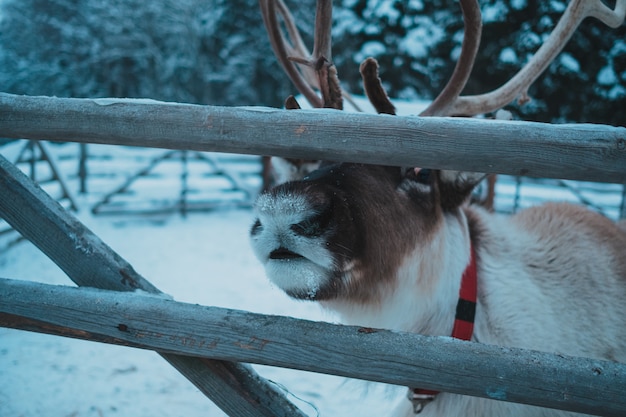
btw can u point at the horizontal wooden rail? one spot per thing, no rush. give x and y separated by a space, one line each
441 363
568 151
88 261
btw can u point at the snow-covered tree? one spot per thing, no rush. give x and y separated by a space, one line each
193 51
417 43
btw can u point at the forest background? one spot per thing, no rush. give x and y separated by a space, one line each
216 52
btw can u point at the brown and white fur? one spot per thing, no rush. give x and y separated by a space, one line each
387 248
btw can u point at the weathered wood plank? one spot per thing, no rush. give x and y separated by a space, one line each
549 380
90 262
569 151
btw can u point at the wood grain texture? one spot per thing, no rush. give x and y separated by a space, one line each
568 151
441 363
88 261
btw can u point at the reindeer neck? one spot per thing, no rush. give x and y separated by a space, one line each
426 293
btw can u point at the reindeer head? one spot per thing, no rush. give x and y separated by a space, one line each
343 231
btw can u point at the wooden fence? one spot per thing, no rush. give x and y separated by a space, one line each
206 344
569 151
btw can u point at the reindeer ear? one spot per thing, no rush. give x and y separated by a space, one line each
455 187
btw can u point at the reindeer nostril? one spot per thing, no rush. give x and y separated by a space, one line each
315 225
307 228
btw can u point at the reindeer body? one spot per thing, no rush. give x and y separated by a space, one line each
552 278
384 249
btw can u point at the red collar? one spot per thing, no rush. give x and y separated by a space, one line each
466 307
463 325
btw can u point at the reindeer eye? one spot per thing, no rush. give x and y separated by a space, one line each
421 175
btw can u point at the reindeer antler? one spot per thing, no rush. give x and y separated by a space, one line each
472 21
283 49
445 100
311 71
373 87
450 103
576 12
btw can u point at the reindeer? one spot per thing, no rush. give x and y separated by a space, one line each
400 248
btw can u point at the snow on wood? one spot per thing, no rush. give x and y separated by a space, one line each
568 151
442 363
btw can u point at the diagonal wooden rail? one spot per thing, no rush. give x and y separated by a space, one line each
143 321
88 261
569 151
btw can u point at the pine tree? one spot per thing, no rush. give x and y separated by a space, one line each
196 51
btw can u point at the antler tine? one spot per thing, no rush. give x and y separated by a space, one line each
279 45
325 77
323 26
613 18
290 25
298 50
576 12
472 21
325 69
374 89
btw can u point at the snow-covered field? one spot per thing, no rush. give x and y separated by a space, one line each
204 258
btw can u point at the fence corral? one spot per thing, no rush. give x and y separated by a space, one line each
586 152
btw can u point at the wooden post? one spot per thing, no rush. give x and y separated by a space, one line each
90 262
442 363
82 168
